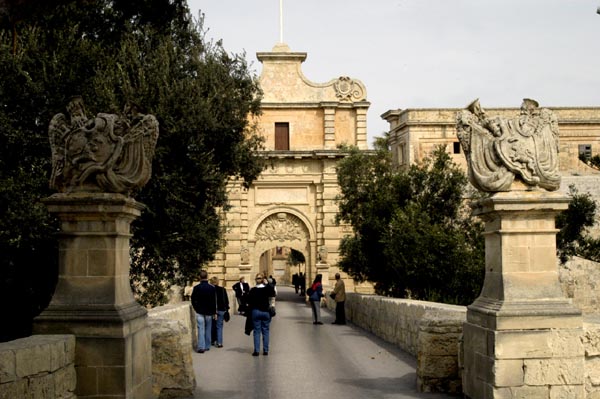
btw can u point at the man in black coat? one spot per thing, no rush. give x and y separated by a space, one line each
241 289
204 302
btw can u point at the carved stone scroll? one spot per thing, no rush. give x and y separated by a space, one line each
500 150
107 153
347 89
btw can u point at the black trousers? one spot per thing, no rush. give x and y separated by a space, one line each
340 313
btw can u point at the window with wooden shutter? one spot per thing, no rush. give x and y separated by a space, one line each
282 136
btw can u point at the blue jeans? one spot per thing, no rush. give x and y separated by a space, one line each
261 321
220 320
204 331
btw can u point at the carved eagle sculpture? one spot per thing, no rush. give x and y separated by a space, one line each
107 153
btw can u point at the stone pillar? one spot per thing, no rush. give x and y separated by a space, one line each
522 336
93 298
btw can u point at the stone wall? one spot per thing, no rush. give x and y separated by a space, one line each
591 346
580 281
38 367
173 334
429 331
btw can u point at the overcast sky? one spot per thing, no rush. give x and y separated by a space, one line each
427 53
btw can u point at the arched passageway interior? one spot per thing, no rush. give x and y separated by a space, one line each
282 263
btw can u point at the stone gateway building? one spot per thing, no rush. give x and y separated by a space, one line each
292 205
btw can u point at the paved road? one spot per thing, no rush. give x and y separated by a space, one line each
306 361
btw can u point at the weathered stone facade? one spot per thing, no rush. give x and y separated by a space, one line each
415 132
292 204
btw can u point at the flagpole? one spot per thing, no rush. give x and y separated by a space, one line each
280 21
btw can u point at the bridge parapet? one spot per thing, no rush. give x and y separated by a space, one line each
429 331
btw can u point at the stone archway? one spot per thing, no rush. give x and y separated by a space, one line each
283 227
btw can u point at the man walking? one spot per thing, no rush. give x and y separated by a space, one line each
204 302
241 289
339 294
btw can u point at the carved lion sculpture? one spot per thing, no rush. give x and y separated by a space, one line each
498 150
107 153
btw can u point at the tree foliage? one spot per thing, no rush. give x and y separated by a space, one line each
573 224
149 52
413 236
295 258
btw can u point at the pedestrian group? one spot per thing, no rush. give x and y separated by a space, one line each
257 304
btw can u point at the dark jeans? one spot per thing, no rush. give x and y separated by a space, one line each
340 313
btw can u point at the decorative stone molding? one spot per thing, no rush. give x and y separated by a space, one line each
281 227
107 153
322 255
347 89
498 149
245 256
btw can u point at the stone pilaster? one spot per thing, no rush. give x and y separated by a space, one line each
361 125
329 128
93 298
522 336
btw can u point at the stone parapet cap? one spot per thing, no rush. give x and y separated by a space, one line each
82 202
534 314
522 200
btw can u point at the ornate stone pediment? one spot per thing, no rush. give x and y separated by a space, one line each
106 153
281 227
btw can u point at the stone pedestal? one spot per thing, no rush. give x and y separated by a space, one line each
93 298
522 336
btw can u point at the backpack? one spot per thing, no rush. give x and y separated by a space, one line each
309 291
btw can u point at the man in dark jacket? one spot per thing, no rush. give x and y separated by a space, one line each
241 289
204 302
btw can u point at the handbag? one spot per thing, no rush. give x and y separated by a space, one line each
332 295
226 315
272 311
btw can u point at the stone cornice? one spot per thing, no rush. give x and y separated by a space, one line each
271 56
400 118
308 154
320 104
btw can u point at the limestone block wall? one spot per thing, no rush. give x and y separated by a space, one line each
580 281
173 333
38 367
591 346
427 330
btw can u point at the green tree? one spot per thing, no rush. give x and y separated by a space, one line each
413 236
152 53
295 258
572 238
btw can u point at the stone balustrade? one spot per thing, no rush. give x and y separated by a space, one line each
38 367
